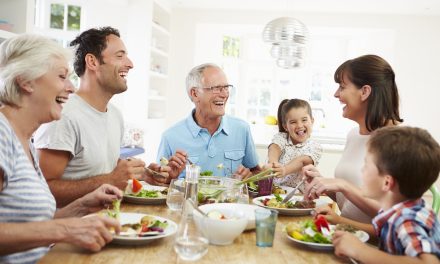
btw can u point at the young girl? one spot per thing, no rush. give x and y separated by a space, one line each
291 148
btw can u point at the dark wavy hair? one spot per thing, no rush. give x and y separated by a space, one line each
92 41
285 107
383 102
409 154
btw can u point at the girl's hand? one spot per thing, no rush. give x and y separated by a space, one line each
279 169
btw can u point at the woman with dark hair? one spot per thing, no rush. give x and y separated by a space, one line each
368 91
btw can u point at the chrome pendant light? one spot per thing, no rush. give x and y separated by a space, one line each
288 37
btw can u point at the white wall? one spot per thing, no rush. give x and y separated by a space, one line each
415 60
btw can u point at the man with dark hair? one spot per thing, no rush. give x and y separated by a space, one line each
80 151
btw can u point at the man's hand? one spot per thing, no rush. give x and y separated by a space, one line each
177 163
125 170
242 173
161 178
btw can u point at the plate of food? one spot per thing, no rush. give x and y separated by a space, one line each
139 229
140 192
317 234
295 206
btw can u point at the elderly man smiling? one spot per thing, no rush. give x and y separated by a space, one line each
207 137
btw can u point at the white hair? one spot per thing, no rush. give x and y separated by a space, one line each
29 57
194 77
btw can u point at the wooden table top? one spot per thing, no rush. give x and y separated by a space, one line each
243 250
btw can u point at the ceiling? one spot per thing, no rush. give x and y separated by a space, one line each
417 7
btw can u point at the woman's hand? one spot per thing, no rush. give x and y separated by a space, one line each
320 185
91 233
100 198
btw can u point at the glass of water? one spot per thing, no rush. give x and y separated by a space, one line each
265 223
175 196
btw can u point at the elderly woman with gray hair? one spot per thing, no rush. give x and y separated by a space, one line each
33 86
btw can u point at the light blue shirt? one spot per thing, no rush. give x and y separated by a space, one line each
231 145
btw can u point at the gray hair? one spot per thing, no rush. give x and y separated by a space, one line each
194 77
29 57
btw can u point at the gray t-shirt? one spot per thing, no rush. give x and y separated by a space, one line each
93 138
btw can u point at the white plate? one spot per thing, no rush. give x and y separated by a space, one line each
131 218
292 211
363 236
147 200
247 209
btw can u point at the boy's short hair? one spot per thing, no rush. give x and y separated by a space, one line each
409 154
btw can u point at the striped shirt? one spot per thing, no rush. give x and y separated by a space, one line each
25 196
408 228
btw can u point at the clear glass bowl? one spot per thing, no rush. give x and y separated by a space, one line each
218 189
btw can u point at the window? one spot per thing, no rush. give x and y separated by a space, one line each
60 20
261 85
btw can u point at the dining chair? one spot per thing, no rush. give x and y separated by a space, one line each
435 198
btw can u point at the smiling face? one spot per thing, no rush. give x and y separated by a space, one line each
52 90
113 72
299 124
350 96
210 105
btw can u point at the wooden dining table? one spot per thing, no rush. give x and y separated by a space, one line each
243 250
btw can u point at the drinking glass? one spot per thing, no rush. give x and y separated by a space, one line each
175 196
243 195
265 187
265 223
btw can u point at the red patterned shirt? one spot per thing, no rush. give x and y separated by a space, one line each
408 228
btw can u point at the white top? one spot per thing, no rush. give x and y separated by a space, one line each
349 169
25 196
92 137
290 151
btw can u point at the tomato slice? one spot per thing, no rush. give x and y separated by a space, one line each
321 222
137 186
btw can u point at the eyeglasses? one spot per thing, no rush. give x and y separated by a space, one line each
219 88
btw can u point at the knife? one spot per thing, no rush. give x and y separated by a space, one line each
289 195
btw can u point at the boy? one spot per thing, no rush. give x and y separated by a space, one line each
400 165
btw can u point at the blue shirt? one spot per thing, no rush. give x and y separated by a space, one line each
231 145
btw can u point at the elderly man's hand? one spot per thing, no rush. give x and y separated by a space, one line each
177 163
242 173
